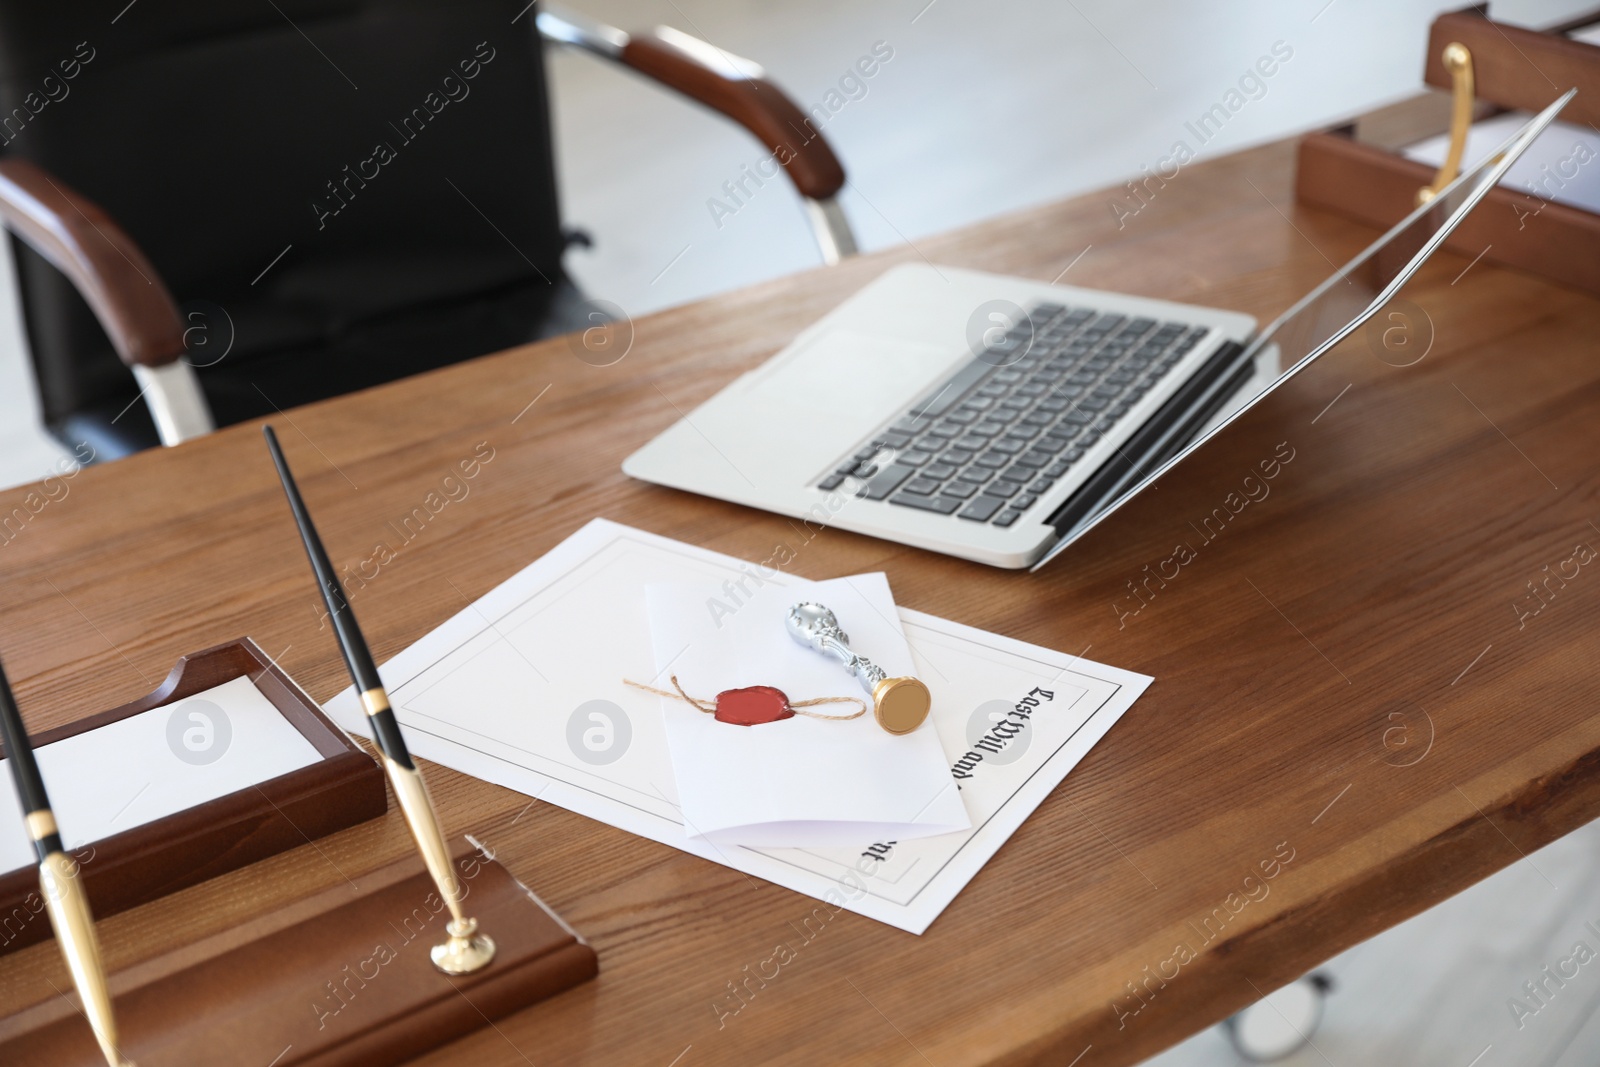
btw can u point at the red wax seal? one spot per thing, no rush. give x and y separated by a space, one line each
752 706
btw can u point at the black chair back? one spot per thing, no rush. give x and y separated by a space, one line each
338 193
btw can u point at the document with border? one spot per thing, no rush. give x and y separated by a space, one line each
524 688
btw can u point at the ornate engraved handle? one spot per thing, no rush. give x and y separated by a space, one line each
818 628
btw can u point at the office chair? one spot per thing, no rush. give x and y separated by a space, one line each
335 193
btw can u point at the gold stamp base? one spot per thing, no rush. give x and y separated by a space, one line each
900 704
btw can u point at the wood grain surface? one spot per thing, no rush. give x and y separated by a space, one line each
1346 691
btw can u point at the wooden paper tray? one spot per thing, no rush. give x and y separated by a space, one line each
1358 171
145 862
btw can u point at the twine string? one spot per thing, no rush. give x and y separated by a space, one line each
797 706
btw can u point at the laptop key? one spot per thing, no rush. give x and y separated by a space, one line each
959 489
944 505
1001 488
956 456
1042 486
1020 473
1007 517
885 482
976 475
921 486
894 440
938 471
982 508
993 460
1024 502
913 458
956 387
832 481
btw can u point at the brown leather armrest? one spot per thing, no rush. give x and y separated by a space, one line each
747 98
102 261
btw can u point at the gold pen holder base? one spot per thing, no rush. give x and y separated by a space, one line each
466 950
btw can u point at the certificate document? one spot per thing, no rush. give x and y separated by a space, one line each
525 688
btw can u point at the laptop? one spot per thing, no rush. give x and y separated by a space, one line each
997 418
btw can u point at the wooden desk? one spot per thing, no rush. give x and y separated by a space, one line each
1373 590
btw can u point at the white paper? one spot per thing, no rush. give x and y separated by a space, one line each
514 687
800 782
157 763
1562 165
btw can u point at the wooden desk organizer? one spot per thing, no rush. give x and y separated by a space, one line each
344 788
340 979
1360 173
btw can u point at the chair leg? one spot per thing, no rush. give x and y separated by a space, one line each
834 236
176 403
1280 1023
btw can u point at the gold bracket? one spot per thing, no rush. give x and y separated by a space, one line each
1458 61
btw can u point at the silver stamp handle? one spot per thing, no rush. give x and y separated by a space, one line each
813 625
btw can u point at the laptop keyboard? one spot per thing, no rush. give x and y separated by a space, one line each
1007 426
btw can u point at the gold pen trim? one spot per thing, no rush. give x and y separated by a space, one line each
69 915
466 950
375 700
41 824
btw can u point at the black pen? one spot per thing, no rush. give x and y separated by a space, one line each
59 880
466 950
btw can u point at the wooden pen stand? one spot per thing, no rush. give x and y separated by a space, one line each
337 980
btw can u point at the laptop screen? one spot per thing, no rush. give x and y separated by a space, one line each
1357 291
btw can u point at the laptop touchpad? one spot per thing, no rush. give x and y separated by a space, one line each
847 382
